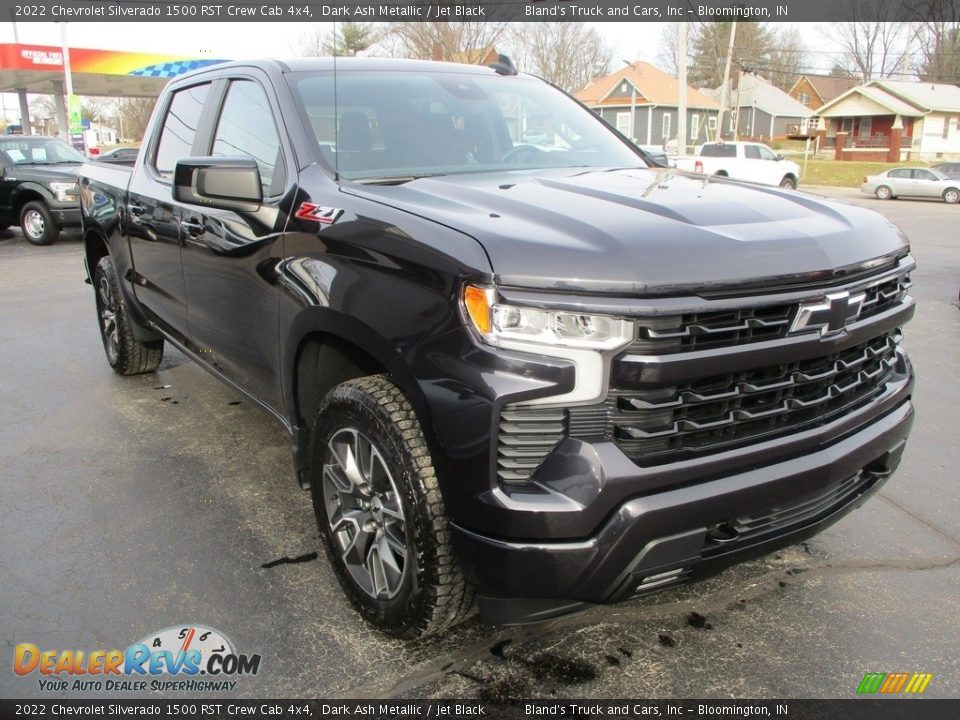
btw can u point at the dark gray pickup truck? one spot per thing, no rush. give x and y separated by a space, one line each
528 377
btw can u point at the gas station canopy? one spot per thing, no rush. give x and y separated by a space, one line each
39 69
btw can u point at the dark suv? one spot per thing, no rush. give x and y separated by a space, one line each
549 375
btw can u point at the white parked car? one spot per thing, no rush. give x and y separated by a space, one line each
912 182
750 161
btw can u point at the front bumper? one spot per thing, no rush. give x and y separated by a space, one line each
66 214
661 539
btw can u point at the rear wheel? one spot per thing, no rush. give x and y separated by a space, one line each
380 513
951 195
37 224
126 355
883 193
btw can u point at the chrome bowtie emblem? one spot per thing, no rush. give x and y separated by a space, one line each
831 315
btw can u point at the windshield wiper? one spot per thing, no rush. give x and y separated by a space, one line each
396 179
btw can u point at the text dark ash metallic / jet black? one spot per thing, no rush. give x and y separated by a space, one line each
544 373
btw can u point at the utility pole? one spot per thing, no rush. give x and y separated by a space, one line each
726 81
682 104
736 115
633 105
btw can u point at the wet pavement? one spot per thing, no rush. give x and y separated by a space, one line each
128 505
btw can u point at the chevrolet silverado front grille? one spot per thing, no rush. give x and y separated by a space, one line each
664 424
698 412
723 328
708 415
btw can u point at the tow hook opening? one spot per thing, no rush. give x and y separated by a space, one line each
723 532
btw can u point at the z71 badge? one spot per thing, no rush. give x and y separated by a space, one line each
318 213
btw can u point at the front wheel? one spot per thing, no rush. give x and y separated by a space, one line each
883 193
788 182
951 195
380 513
126 355
37 224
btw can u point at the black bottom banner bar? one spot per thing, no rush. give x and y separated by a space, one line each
855 709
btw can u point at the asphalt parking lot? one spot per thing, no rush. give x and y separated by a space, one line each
128 505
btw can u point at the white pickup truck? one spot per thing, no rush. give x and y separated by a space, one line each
754 162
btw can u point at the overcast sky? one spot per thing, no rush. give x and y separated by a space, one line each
245 40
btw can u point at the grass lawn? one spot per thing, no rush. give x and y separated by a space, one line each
844 173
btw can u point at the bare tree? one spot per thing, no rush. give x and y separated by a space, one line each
567 54
134 114
668 48
871 49
787 53
444 40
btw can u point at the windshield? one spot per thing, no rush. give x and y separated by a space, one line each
38 151
411 124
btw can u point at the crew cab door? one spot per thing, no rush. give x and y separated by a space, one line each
152 217
230 257
756 168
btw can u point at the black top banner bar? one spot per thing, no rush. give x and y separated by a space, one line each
484 10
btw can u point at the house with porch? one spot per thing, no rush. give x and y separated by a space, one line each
642 101
893 120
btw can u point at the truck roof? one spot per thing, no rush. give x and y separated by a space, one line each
348 64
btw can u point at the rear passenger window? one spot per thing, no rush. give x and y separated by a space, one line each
180 127
246 127
718 150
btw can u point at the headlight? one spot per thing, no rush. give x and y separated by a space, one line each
505 325
64 191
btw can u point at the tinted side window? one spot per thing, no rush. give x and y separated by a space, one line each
751 151
923 175
715 150
899 174
180 127
246 127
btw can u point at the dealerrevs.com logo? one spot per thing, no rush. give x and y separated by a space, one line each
184 658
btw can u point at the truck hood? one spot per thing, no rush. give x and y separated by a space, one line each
645 231
45 173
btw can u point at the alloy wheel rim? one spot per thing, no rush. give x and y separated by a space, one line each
952 196
33 223
108 319
364 514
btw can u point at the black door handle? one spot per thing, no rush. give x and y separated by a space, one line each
192 227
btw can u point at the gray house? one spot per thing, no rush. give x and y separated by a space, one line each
642 102
761 111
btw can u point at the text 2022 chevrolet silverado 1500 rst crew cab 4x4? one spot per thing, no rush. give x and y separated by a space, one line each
551 379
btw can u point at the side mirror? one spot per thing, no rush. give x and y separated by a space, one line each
779 156
225 183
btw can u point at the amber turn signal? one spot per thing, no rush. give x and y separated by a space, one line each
477 302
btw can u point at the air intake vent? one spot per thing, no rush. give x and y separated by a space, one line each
526 437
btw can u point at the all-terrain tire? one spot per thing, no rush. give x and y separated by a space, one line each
126 355
431 594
